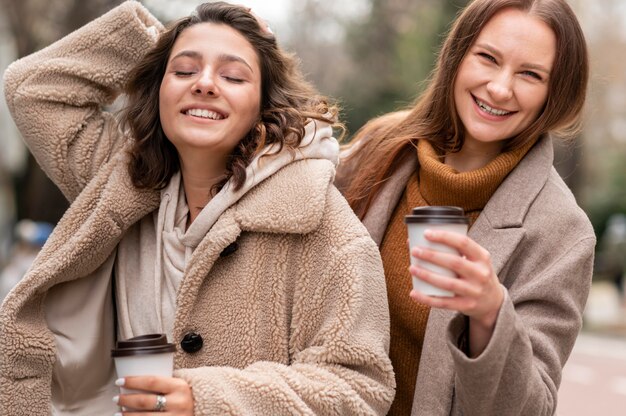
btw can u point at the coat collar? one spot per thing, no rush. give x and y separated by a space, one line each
517 192
499 228
291 201
279 204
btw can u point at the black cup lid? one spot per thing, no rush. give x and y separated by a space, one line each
437 215
143 345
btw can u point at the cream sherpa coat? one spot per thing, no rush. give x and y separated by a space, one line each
295 321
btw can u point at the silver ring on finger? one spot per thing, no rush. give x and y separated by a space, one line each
160 403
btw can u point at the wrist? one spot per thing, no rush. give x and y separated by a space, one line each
481 327
487 321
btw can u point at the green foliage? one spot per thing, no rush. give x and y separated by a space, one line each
395 49
610 197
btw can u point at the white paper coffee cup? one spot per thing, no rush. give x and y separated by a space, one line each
145 355
434 218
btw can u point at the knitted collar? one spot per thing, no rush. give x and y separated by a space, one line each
440 184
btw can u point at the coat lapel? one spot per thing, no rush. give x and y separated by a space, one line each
291 201
223 233
500 242
279 204
379 214
499 228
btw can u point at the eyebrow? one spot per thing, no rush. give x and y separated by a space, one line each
494 51
224 57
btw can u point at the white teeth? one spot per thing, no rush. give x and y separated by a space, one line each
197 112
491 110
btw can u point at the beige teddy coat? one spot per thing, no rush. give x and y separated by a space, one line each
294 322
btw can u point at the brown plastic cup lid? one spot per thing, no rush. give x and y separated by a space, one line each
437 215
143 345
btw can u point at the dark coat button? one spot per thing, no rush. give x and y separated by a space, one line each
191 342
229 249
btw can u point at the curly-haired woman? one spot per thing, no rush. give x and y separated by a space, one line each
205 212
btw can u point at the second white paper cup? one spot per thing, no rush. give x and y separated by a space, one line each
434 218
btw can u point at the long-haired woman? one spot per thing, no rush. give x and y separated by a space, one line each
511 75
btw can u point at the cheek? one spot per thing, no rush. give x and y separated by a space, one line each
164 105
462 82
252 106
535 102
164 93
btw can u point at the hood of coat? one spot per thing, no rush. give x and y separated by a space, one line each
282 205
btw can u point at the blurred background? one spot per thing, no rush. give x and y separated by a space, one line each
373 57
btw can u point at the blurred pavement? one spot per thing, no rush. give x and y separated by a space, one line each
594 378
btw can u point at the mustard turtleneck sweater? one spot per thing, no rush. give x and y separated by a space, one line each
435 183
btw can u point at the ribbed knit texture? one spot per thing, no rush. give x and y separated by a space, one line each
436 184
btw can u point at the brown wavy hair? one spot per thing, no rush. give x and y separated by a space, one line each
392 138
287 100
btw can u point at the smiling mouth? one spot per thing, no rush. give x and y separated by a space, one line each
490 110
197 112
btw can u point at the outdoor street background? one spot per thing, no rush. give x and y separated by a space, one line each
594 378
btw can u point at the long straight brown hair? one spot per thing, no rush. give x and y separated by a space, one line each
383 143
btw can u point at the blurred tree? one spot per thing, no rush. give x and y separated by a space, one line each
376 62
602 177
316 35
35 24
394 49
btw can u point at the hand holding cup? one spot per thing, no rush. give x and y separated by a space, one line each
468 276
144 366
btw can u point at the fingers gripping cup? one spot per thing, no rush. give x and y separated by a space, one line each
440 218
145 355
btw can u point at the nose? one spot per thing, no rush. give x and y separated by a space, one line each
205 84
501 87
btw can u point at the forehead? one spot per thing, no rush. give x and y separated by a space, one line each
520 35
212 40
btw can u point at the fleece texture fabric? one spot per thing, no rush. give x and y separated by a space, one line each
159 270
542 248
293 316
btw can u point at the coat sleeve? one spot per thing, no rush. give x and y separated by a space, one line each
338 345
56 96
519 372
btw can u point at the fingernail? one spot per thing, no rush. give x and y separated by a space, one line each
119 382
417 251
429 233
116 399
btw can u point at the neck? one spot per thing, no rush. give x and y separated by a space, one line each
472 157
198 182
